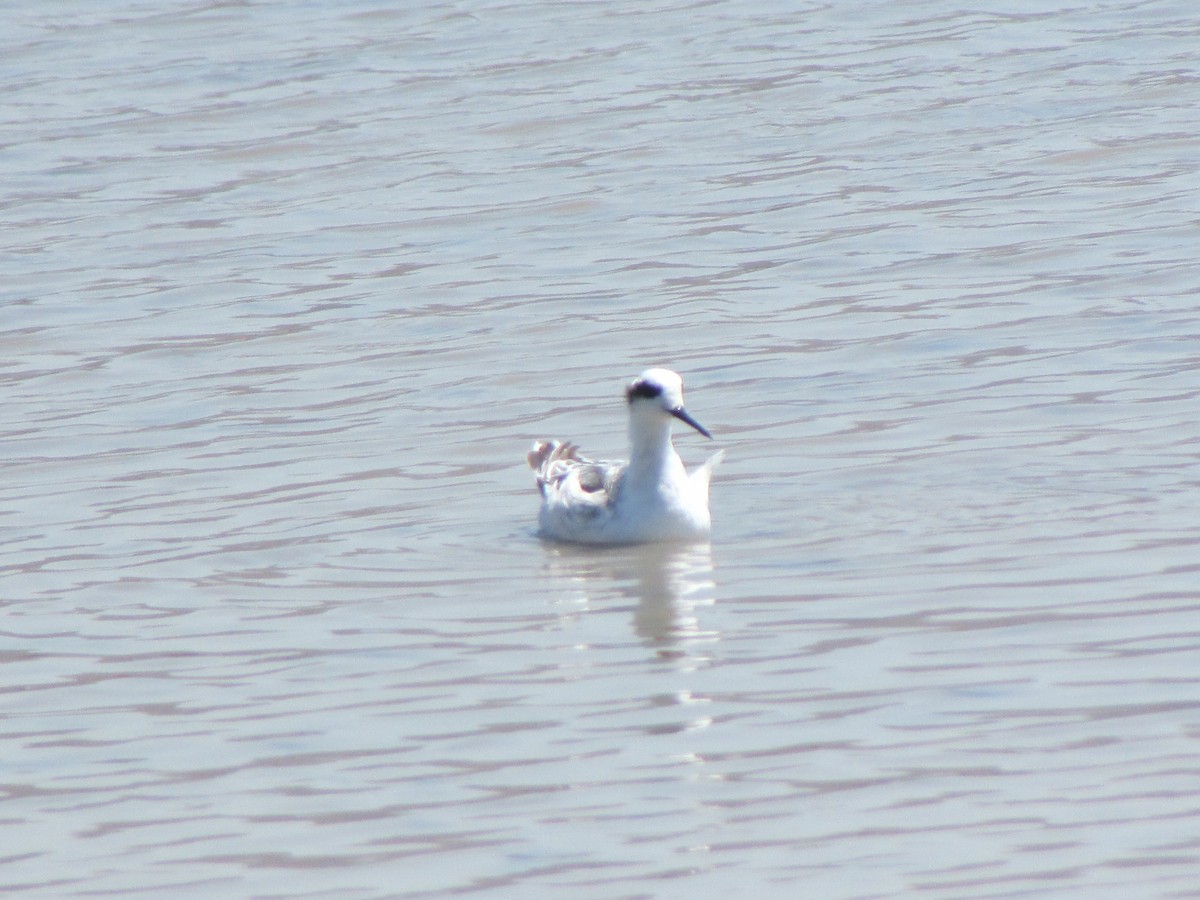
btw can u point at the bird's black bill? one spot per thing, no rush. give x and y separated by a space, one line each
682 415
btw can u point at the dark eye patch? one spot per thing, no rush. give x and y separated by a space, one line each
646 390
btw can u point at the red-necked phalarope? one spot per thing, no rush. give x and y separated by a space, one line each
650 498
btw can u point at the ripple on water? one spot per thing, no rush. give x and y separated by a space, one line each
285 298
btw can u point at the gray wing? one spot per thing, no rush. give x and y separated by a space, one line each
561 467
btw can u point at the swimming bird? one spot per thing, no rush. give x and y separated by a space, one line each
650 498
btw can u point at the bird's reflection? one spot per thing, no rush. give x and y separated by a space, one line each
668 583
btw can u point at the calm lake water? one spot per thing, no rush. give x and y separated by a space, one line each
286 291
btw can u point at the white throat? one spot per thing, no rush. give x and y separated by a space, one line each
650 439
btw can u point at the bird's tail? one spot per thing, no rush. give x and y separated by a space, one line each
703 475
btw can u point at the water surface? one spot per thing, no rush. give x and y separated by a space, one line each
288 288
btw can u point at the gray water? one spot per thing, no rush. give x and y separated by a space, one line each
287 289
